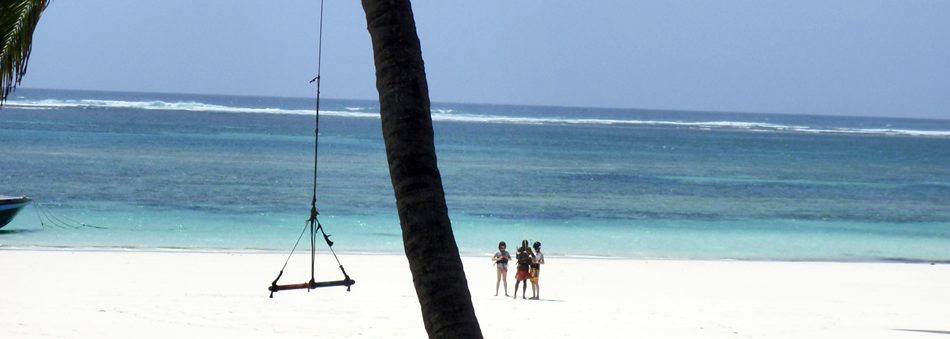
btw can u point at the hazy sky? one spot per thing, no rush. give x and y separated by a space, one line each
842 57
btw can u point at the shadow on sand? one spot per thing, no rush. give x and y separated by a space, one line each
548 300
923 331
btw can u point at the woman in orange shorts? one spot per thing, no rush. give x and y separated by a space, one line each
524 257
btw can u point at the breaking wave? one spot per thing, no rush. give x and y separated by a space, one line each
449 115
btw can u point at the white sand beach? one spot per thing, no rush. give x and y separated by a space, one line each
137 294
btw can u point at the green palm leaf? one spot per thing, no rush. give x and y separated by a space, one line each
18 19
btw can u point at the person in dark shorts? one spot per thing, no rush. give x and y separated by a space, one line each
536 270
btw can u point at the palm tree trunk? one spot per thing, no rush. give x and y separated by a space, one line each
430 246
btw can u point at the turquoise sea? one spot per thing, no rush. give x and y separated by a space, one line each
206 172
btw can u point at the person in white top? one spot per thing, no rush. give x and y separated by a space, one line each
536 263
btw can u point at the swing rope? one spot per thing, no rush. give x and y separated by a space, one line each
316 143
312 223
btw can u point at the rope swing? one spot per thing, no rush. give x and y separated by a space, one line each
313 224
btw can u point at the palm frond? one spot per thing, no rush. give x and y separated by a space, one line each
18 19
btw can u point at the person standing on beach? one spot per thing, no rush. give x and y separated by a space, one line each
536 271
524 257
501 259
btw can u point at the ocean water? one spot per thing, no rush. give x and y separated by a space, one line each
160 171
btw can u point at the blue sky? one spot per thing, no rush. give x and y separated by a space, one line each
846 57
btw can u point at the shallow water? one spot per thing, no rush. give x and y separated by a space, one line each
218 172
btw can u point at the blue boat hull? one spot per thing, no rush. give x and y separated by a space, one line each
10 206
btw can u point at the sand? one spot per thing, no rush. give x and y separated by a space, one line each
163 294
